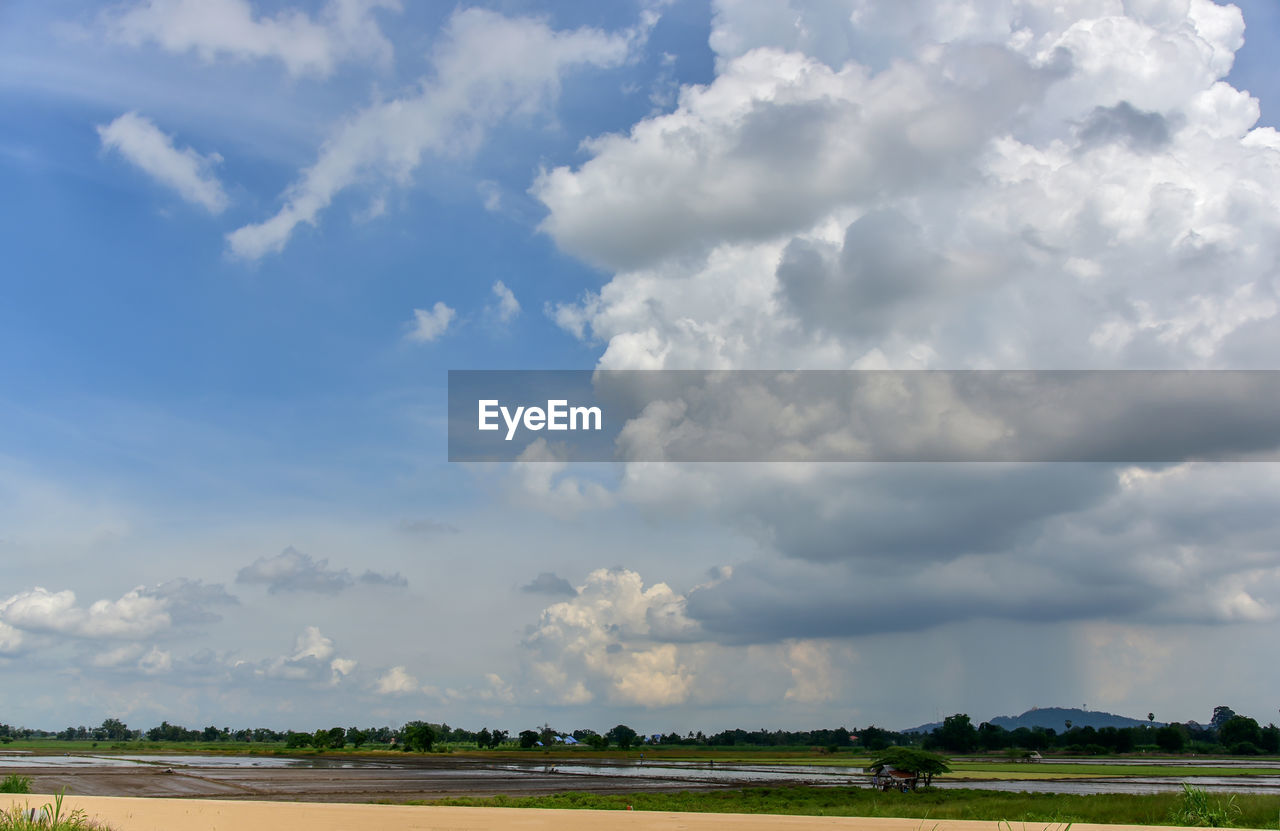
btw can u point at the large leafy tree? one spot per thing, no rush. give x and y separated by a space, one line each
921 763
957 734
622 735
419 736
1239 729
1221 715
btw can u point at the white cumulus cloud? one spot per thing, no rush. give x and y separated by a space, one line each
608 642
397 681
430 324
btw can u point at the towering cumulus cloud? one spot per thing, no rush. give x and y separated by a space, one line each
961 185
970 184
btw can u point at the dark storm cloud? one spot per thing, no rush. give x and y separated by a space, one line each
293 571
770 601
1170 545
550 584
1020 416
908 514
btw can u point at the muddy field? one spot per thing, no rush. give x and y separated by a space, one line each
357 779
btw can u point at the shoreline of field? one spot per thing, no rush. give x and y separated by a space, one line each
157 814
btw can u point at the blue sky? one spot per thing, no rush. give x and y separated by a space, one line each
187 389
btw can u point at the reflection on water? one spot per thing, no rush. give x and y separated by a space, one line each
673 773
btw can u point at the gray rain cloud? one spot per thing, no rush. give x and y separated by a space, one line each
294 571
551 585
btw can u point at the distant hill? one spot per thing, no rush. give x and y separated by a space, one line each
1054 717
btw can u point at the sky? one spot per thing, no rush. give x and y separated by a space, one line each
244 241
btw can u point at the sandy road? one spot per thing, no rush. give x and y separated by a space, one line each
136 814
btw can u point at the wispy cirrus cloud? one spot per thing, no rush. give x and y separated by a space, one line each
306 45
486 68
145 146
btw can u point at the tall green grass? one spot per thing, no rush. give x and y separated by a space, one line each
1197 809
49 817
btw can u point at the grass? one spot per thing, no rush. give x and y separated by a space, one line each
1093 769
1251 811
49 817
13 783
1196 808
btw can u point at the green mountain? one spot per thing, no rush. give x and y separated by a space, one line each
1053 717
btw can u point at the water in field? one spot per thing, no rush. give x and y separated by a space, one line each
660 774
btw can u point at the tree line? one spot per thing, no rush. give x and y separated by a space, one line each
1226 732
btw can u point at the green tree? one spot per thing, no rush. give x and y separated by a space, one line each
484 738
320 739
114 729
1270 739
957 734
874 738
528 738
357 737
499 738
921 763
1171 738
993 736
337 737
1238 729
622 735
1221 715
546 735
419 736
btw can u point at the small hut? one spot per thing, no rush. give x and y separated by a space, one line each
888 778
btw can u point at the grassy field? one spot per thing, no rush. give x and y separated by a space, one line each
1128 809
1044 769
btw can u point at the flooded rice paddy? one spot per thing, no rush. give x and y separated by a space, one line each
366 779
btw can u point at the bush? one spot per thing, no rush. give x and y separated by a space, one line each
1245 749
14 783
